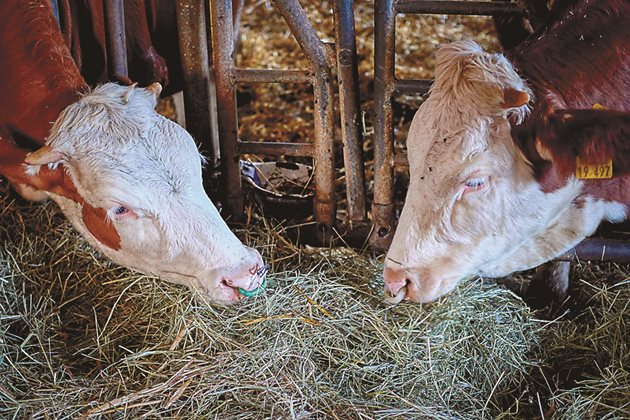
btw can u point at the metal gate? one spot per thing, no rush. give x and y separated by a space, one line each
226 76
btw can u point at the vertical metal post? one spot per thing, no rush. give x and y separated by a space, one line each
384 43
225 79
116 40
193 49
324 171
348 77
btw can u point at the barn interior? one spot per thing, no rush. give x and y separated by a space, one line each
81 336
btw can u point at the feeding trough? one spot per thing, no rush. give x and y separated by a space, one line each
281 189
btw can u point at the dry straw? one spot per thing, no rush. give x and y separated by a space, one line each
82 337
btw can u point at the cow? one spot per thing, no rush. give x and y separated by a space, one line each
128 179
495 150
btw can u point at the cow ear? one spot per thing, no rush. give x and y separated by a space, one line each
155 88
44 156
513 98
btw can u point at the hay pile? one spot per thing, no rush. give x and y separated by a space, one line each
81 336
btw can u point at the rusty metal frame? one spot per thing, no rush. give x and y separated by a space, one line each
198 79
350 106
319 74
386 87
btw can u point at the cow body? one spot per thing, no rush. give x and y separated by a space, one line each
492 186
127 178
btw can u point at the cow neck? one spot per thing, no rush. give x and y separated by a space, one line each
616 189
39 76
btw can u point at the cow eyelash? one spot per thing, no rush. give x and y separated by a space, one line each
475 182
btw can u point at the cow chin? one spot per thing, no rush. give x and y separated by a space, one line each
430 289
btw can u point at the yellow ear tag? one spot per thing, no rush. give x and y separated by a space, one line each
597 171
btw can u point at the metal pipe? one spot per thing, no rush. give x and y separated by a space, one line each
193 49
273 76
384 44
596 249
457 7
350 106
225 79
421 86
278 149
324 165
116 40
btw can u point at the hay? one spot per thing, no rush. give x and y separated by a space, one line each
81 336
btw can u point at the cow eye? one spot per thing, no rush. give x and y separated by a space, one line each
476 183
121 210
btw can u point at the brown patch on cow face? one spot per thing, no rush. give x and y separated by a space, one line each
57 181
96 221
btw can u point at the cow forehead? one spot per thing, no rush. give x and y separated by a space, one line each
116 145
436 148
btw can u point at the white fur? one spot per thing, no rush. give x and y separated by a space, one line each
443 235
119 151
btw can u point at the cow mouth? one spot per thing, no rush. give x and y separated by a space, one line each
397 298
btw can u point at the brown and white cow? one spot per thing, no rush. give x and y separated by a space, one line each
493 150
127 178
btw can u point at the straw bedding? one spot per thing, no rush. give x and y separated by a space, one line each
80 336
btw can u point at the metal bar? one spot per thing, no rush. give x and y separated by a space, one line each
55 8
384 43
225 78
276 148
348 77
599 250
421 86
193 50
273 76
457 7
116 40
237 12
324 165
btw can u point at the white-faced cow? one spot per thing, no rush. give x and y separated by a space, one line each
127 178
493 152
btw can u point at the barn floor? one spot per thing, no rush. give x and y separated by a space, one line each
80 336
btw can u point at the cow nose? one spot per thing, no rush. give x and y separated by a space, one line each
396 283
251 280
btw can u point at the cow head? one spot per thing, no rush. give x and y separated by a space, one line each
473 206
130 181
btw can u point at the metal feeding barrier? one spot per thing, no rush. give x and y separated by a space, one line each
201 86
